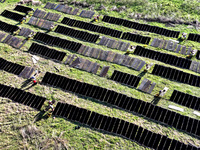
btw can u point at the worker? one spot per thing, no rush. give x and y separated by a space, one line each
24 19
96 18
147 67
50 105
34 77
183 37
130 50
192 53
162 92
30 35
30 13
17 32
36 72
34 80
77 127
52 27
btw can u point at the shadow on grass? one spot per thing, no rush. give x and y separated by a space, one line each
42 115
155 100
180 40
47 31
19 23
189 57
92 21
141 74
27 83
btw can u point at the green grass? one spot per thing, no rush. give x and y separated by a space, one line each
17 121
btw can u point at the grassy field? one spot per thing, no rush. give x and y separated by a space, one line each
18 127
